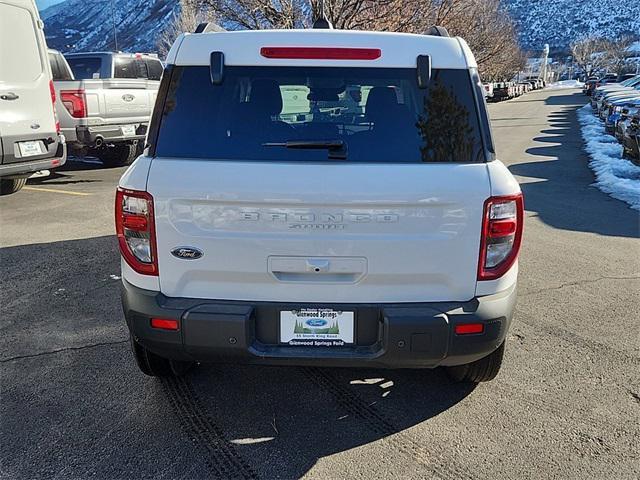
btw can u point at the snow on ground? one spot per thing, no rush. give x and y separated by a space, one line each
565 84
614 175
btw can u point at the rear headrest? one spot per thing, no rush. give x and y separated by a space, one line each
265 96
380 102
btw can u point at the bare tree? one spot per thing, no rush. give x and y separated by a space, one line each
485 24
589 54
260 14
616 53
191 13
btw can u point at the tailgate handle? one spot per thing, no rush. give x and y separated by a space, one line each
9 96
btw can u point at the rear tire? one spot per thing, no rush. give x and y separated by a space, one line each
118 155
483 370
11 185
156 366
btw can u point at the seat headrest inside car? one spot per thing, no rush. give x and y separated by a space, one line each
380 102
265 96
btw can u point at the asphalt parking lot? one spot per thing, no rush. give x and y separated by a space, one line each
565 405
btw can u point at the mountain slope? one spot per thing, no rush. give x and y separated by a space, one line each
561 22
77 25
81 25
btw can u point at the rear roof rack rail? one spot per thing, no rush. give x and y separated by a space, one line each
207 27
437 31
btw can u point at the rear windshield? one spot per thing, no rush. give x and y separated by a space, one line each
374 114
131 67
84 68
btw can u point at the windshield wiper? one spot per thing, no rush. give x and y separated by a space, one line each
337 148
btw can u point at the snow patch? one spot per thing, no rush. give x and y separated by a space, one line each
565 84
615 175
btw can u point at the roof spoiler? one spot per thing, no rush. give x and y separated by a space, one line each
437 31
207 27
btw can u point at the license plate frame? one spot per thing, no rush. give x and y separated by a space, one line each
317 327
128 130
31 148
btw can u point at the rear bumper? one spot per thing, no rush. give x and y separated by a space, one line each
92 136
22 169
406 335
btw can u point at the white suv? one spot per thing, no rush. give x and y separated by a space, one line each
319 197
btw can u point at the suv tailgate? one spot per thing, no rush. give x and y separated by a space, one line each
377 233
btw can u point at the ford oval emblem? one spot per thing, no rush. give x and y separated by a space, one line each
316 322
187 253
127 97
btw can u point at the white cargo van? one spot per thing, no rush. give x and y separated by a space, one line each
319 197
30 138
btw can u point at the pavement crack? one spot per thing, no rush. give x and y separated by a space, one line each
59 350
635 395
575 283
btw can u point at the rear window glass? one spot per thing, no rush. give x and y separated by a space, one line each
376 114
84 68
127 68
154 69
19 50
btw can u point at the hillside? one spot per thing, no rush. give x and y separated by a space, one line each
81 25
76 25
560 22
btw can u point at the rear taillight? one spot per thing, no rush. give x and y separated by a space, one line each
52 90
75 102
136 230
502 223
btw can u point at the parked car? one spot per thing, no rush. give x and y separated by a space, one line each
30 138
608 91
589 86
104 111
238 227
488 90
502 91
626 116
615 110
631 140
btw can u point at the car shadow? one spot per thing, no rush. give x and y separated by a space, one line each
559 188
65 326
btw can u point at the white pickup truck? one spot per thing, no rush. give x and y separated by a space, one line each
273 221
105 110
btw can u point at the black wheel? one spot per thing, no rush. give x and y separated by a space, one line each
156 366
11 185
483 370
118 155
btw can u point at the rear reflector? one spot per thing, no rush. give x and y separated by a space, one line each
165 324
469 328
321 53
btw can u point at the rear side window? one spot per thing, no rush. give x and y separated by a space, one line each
84 68
126 67
154 68
377 114
58 68
19 51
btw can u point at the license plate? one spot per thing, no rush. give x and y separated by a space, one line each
317 327
128 130
28 149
